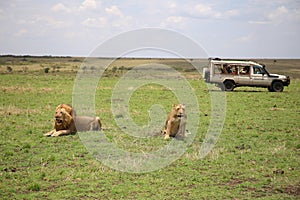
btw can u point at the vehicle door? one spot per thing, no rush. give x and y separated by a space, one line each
243 78
217 73
258 76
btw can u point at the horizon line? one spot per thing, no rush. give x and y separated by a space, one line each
137 57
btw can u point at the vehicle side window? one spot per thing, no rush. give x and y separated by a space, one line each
235 69
258 70
244 70
218 69
227 69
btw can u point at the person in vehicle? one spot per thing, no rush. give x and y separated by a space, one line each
245 70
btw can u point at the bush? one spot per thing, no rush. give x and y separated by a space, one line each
46 70
9 69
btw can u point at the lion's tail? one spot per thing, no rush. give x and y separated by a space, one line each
99 121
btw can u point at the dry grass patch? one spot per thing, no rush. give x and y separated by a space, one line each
13 110
21 89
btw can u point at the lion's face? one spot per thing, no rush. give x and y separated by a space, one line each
63 120
179 110
60 116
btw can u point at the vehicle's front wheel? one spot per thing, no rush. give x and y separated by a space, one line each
277 86
270 88
228 85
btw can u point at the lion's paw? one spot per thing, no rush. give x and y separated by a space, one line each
167 137
55 134
48 134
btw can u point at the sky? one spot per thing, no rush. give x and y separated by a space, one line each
226 29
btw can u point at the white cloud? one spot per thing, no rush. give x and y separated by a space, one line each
172 5
95 22
84 6
282 14
112 17
60 7
278 14
117 18
174 21
202 10
114 10
206 11
88 4
38 23
90 22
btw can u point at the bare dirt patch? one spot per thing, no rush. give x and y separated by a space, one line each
293 190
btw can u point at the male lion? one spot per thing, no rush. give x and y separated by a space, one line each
176 122
65 120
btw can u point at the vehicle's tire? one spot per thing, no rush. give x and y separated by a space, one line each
270 89
228 85
206 73
221 86
277 86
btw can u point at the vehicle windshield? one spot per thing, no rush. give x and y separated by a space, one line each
265 69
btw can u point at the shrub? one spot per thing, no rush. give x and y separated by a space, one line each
9 69
46 70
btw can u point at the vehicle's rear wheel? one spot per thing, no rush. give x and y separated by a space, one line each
228 85
206 74
277 86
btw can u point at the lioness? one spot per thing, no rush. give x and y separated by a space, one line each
176 122
65 118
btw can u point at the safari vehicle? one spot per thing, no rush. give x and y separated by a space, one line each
229 74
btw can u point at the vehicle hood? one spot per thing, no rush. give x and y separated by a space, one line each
277 76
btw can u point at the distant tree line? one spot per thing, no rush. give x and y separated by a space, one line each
31 56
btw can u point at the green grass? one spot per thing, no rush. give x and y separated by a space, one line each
257 154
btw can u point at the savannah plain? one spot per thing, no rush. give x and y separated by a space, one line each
257 155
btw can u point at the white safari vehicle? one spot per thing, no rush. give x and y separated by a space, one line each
228 74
